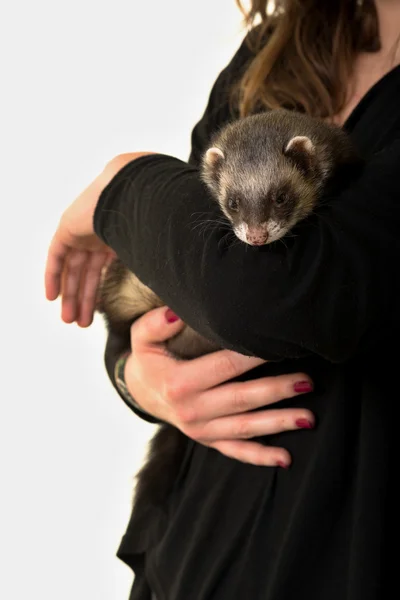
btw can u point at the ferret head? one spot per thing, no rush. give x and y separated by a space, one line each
263 188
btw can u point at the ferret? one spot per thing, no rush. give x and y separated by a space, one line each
267 172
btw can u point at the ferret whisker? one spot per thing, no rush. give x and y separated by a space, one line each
208 228
217 222
222 240
221 218
290 235
214 221
283 241
200 213
323 218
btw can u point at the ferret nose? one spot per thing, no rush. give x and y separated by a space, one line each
257 240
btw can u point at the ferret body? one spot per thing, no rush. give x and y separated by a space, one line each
267 173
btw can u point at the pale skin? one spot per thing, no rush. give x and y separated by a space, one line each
196 396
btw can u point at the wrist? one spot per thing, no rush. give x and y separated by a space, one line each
121 375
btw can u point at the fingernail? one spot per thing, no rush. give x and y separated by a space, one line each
282 464
171 316
303 387
304 424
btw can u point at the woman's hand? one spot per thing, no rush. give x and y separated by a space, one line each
189 394
76 255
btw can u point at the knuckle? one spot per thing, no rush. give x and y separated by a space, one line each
148 327
171 391
240 402
174 388
193 431
276 389
225 366
185 415
75 260
242 429
227 449
143 327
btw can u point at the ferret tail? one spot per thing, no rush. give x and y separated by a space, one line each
157 477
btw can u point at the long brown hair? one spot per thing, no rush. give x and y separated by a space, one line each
308 58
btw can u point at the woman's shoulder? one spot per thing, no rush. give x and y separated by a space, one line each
253 41
375 123
222 101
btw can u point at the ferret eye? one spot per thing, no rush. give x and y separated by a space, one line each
281 199
233 204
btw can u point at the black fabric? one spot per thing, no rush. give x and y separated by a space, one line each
326 303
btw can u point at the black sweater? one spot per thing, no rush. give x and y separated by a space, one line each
325 303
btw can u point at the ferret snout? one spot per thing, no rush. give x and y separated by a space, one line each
257 236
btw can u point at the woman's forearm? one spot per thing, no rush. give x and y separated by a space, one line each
326 292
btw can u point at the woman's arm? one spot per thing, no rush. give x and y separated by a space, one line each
214 114
208 409
330 291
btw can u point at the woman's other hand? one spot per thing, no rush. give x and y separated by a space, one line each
76 255
197 397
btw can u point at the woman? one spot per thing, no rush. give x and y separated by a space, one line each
322 308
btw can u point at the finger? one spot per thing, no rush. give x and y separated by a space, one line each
71 281
254 453
218 367
89 287
56 258
155 327
255 424
240 397
110 257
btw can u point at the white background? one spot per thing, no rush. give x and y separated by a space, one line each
81 81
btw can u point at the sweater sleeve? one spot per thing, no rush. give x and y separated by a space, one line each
330 290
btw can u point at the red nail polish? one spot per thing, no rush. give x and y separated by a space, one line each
171 316
282 464
304 424
303 387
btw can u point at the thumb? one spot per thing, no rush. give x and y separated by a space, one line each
156 326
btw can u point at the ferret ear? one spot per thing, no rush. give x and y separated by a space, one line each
212 162
214 157
302 152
